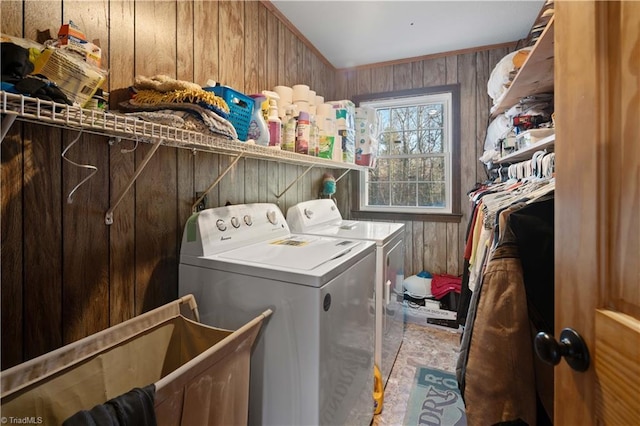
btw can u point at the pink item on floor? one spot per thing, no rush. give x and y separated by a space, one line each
443 284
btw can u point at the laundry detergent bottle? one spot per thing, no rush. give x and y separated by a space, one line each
289 130
258 130
275 125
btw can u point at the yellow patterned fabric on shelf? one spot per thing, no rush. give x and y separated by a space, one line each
194 96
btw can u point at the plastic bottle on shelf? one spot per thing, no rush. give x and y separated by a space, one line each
302 133
274 124
314 145
325 137
289 133
258 130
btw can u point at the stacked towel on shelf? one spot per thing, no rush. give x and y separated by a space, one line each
180 104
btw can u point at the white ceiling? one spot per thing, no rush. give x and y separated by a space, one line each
350 33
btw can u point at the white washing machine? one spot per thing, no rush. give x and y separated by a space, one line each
322 217
313 361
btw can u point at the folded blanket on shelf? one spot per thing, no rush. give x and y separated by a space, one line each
164 89
182 115
181 104
163 83
197 97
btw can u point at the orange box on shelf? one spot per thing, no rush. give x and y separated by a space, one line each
69 30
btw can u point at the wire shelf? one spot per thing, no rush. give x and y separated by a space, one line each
105 123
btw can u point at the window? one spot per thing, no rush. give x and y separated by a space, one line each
418 166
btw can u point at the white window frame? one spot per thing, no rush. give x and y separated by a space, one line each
444 98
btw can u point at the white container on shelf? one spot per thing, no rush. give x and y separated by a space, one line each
300 93
285 93
532 136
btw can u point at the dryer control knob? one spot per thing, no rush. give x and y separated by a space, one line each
235 222
273 218
221 225
308 213
247 220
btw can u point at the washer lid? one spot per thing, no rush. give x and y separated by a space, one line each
294 252
380 232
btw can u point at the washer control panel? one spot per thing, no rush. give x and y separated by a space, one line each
308 214
224 228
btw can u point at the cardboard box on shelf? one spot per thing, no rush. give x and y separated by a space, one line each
532 136
70 37
77 79
70 30
87 51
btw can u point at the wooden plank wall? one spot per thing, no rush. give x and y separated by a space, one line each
438 246
65 274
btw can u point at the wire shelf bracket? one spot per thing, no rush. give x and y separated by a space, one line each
108 218
293 183
346 172
7 122
194 208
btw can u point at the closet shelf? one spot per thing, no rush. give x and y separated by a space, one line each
526 153
535 75
103 123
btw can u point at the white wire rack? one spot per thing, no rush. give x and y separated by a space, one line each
114 125
40 111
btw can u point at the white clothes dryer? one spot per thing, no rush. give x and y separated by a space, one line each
322 217
313 361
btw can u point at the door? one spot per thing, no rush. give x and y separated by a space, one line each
597 104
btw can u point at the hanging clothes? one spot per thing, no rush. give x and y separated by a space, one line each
499 377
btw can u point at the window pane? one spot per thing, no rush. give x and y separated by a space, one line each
403 194
402 169
431 116
431 141
390 142
431 194
384 117
401 119
380 172
379 194
431 169
404 143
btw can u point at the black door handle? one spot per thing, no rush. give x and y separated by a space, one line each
571 346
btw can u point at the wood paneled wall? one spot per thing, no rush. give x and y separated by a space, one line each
438 246
65 274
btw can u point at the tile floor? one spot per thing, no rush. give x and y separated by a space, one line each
435 347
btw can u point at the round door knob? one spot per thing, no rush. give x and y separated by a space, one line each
571 347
